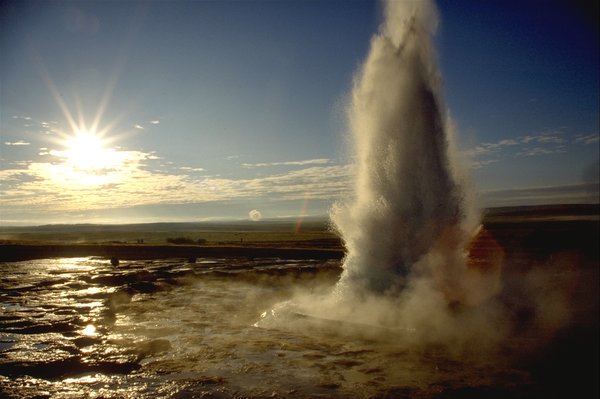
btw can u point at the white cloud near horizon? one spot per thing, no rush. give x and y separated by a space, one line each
137 178
17 143
53 188
56 186
319 161
191 169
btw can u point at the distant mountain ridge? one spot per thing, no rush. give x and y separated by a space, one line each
308 223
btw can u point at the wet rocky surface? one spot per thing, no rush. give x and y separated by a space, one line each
179 328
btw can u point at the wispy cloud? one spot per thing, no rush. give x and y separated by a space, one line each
320 161
505 145
554 139
534 145
27 118
189 168
155 122
136 180
489 148
18 142
588 139
535 151
140 127
477 164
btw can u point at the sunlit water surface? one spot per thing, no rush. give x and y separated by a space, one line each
80 327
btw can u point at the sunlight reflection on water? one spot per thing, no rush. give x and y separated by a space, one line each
89 331
161 329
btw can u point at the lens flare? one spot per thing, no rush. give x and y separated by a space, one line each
255 215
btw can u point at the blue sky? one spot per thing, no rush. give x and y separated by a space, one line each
206 109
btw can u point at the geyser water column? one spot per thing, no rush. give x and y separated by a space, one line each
407 203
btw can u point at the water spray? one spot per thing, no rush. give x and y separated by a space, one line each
408 201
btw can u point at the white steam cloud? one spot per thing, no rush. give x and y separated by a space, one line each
411 217
408 201
419 268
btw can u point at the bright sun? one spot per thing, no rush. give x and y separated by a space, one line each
87 161
87 158
86 152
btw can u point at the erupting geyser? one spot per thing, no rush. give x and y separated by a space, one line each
413 237
410 212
